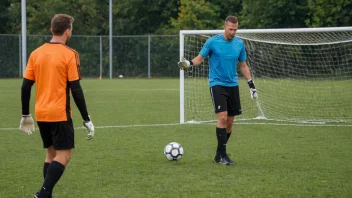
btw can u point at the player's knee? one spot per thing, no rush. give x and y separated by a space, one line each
222 119
229 124
63 157
50 157
229 121
50 154
68 156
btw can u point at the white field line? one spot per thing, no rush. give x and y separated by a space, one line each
131 89
174 124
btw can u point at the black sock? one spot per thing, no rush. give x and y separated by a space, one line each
217 137
55 171
222 139
45 168
228 136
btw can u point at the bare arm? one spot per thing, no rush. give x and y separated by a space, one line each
184 63
197 60
245 70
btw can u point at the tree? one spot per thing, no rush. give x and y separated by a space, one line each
273 14
87 13
194 14
4 4
326 13
138 17
229 7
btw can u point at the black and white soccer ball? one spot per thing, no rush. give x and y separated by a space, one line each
173 151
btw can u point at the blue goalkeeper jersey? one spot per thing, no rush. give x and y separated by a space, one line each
223 58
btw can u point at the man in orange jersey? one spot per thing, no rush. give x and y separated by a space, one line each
55 68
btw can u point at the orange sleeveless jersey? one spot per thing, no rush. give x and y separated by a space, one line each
51 66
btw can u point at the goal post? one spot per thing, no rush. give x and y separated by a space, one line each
301 74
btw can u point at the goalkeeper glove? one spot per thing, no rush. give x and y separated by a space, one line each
252 89
184 64
27 124
88 124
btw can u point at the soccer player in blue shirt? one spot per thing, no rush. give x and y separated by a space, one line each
224 51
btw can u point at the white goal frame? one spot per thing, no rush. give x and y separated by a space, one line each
182 34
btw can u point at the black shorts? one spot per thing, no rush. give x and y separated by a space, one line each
226 99
60 135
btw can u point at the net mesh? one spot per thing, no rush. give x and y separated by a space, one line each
300 76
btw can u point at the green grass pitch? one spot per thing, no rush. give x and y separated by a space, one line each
136 118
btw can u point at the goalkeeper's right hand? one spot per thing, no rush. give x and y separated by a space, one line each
90 128
184 64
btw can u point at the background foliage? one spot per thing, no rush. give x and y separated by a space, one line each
150 17
137 17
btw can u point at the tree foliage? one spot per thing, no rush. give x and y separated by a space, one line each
138 17
4 4
89 18
273 14
196 14
327 13
150 17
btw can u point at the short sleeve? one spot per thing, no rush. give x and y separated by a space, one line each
206 49
74 68
243 55
29 73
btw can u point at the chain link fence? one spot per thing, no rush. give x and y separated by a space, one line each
144 56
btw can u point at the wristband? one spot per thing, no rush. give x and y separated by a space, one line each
251 84
86 118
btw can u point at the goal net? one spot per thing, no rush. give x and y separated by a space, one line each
302 74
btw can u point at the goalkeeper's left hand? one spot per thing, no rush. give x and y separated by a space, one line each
27 124
90 128
252 89
184 64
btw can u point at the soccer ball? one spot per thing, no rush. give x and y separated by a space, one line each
173 151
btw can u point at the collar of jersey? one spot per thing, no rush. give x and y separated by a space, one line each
54 43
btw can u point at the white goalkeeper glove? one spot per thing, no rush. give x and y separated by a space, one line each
254 94
27 124
252 89
184 63
90 128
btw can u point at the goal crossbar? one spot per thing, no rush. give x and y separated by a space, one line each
286 30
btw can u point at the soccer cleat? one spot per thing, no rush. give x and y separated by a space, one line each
225 160
217 157
37 195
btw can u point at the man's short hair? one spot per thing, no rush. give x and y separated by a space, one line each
231 19
60 23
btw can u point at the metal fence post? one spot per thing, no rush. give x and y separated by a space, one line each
20 56
148 56
101 57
